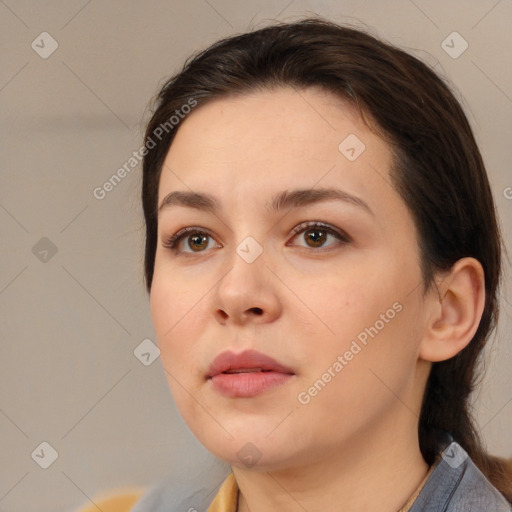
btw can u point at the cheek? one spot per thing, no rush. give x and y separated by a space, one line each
346 302
175 308
176 327
369 320
353 383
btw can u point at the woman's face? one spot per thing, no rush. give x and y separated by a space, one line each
339 314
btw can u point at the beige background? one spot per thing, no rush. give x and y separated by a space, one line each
70 323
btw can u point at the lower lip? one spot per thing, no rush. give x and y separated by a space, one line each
246 385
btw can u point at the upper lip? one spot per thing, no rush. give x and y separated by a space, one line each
248 359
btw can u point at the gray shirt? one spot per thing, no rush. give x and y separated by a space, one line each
455 485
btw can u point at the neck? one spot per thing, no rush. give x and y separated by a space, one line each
378 469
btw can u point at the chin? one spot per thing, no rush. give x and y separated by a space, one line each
250 448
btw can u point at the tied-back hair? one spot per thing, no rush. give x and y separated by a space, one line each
437 170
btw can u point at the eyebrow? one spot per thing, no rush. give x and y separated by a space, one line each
286 199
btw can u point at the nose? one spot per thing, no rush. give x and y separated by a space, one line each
248 292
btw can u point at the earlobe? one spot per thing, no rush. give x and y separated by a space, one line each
455 313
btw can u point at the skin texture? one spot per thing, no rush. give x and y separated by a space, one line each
354 445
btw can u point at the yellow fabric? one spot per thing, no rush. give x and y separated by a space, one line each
226 499
116 503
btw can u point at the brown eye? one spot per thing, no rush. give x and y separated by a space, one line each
197 240
316 234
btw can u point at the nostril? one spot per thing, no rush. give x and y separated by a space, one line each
258 311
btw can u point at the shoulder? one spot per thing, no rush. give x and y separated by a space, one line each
185 492
457 485
191 490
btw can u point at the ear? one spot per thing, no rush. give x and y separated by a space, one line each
454 314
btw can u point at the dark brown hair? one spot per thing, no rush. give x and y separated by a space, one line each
438 171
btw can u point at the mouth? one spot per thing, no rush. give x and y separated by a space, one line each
247 370
246 374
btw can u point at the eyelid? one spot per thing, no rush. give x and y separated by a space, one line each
311 224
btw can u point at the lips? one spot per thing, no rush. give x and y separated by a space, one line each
248 361
246 374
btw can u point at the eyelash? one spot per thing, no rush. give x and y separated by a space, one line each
173 241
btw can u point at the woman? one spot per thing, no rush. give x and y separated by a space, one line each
323 259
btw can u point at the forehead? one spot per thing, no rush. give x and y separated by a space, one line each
246 124
263 142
